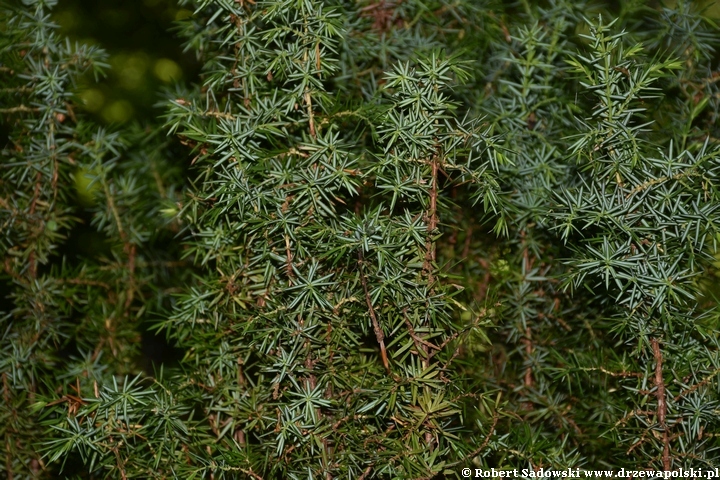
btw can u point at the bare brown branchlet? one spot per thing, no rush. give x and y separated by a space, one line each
379 335
661 402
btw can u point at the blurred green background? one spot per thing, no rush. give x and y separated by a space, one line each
145 55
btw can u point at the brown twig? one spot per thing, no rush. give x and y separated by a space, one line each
21 108
365 473
528 380
614 374
217 114
308 96
656 181
416 338
529 347
475 452
311 116
636 444
33 204
662 405
633 413
466 246
82 281
455 335
131 253
251 473
703 382
379 335
289 257
120 462
8 448
431 220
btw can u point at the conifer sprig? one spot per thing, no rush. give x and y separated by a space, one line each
403 238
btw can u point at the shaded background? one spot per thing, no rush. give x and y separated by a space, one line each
146 58
145 55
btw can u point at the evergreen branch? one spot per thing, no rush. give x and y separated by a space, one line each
459 102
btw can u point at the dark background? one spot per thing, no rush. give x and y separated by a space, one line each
145 54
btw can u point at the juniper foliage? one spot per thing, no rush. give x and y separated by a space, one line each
402 238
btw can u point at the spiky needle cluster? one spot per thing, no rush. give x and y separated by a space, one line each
401 238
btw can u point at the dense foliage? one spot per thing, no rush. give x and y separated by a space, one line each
390 239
